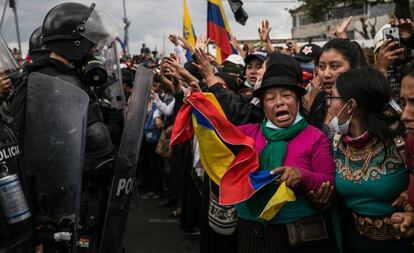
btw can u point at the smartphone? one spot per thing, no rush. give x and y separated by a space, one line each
392 33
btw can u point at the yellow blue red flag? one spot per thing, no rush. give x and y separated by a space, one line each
188 29
228 156
218 29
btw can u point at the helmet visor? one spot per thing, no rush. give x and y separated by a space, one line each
101 27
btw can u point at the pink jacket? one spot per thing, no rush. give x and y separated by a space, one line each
309 151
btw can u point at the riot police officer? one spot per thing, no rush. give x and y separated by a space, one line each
36 49
15 216
74 33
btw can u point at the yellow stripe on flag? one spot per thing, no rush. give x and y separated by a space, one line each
213 100
283 195
214 154
215 163
188 26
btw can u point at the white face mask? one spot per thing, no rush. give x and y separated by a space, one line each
334 124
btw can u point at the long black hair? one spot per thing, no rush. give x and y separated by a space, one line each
372 92
350 50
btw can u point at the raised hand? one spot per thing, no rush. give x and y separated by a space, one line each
265 31
202 42
204 67
340 31
236 45
174 39
406 27
186 44
387 54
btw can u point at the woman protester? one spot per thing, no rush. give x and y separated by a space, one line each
300 153
370 172
404 220
337 56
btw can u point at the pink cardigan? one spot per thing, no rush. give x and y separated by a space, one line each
309 151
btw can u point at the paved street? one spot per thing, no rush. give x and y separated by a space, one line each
153 230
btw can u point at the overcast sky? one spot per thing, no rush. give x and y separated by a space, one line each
151 19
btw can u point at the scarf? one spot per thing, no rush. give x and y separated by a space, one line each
357 142
272 157
273 154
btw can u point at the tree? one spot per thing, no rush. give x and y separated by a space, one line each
320 10
365 33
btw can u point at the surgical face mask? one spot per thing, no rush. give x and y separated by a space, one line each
247 84
334 124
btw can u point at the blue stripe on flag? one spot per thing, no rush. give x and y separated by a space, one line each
202 121
214 15
261 178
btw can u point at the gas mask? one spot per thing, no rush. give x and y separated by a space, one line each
93 71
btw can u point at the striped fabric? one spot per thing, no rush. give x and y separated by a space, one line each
218 29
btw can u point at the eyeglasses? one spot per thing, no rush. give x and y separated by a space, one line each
329 99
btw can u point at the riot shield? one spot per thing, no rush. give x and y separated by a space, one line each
8 63
54 144
126 164
116 89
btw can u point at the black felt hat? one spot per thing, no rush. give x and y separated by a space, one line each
284 72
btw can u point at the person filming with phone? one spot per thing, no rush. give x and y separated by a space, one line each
391 48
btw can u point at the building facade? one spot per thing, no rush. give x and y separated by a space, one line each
373 17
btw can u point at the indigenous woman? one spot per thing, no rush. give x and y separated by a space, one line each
337 56
300 153
370 173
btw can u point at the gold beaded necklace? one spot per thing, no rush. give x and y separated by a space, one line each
357 174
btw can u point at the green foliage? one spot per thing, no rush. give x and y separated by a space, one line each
320 10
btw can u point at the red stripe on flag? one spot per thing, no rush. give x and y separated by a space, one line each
182 128
220 37
235 185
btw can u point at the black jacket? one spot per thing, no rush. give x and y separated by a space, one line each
238 108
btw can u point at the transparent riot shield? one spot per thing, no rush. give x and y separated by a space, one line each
126 164
55 134
8 63
115 91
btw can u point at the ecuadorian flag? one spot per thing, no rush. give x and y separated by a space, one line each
218 29
188 29
227 155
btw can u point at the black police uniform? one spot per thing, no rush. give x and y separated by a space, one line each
59 37
16 237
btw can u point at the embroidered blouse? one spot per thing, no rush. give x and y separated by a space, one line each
371 178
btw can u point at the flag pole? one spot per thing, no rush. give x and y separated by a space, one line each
16 20
127 23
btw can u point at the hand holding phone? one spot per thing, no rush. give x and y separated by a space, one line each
390 49
392 33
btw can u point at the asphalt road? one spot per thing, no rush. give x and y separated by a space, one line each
153 230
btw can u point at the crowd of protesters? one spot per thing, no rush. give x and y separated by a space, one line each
334 121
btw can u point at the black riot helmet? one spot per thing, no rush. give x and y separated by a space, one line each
61 31
73 29
36 47
35 41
